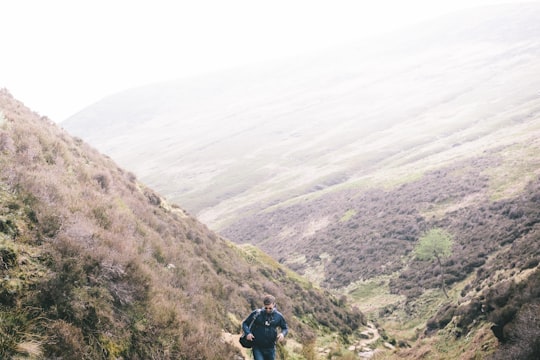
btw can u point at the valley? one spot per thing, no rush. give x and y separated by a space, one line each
336 165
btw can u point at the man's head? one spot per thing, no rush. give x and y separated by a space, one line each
269 303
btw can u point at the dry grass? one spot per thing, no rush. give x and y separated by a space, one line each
99 266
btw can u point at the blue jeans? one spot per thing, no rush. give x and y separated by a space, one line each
264 354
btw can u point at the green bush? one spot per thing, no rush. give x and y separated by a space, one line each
17 328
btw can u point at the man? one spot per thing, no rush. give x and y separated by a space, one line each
263 332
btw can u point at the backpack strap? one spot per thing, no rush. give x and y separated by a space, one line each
258 311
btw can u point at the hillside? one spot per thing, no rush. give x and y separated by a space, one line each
362 242
96 265
237 142
337 165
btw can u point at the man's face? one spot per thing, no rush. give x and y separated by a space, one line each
268 308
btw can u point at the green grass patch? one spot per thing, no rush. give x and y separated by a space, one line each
372 295
520 164
254 255
348 215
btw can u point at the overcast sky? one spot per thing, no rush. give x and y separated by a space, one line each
59 56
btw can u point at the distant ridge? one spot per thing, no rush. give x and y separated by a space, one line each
323 120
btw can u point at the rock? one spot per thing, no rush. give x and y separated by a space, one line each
366 335
366 354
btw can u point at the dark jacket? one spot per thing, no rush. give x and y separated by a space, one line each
264 327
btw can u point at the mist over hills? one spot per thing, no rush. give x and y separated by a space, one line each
237 142
337 164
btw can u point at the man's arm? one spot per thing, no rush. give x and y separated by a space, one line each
245 324
284 328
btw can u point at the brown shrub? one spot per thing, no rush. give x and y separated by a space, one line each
523 336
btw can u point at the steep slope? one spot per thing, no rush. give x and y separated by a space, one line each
235 143
94 265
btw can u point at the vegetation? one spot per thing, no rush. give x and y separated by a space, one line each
435 244
95 265
495 244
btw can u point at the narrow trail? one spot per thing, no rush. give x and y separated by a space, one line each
363 346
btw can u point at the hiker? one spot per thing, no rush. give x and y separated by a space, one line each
263 331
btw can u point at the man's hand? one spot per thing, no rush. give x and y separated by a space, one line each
280 337
250 337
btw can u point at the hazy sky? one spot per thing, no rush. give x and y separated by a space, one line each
59 56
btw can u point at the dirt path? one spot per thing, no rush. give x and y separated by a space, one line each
363 346
233 340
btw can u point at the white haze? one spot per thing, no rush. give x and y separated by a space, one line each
60 56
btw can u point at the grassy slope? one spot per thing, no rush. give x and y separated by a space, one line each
94 265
